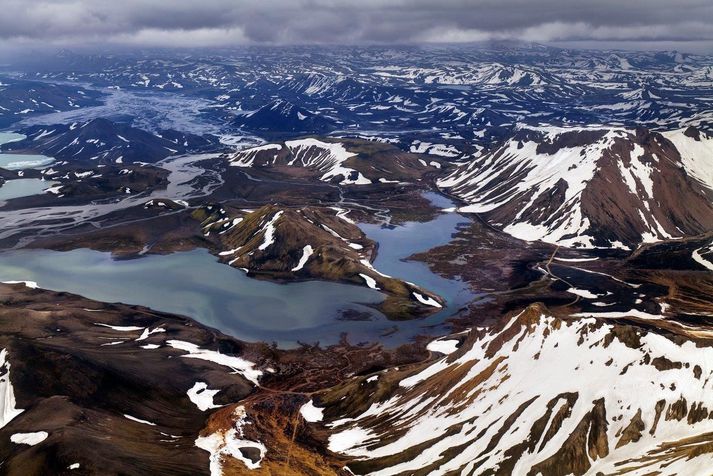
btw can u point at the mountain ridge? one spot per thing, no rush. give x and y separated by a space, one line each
591 187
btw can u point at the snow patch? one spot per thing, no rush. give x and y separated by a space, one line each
428 301
29 284
30 439
371 282
306 253
311 413
443 346
222 444
202 396
138 420
237 364
8 405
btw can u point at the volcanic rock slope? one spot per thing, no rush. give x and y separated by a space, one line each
93 389
592 187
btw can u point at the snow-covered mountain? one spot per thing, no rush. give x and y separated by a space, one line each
20 99
592 187
533 395
472 89
326 157
483 74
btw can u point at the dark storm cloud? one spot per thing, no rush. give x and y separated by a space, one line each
228 22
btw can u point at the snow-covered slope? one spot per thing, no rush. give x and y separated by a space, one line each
696 150
8 406
537 395
592 187
326 157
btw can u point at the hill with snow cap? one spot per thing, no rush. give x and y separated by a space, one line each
346 162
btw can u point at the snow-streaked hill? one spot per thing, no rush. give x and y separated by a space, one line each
280 117
310 243
325 157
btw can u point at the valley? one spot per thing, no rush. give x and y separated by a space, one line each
487 260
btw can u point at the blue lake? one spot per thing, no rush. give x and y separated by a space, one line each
195 284
20 161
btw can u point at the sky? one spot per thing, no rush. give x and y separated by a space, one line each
685 25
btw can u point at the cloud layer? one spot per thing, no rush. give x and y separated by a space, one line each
232 22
